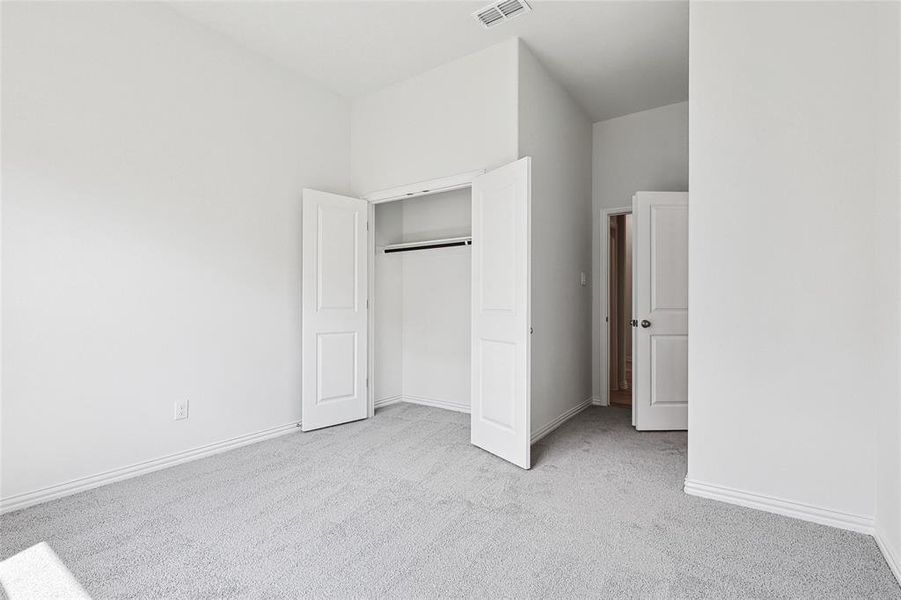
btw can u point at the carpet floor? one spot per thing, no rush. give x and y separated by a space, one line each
402 506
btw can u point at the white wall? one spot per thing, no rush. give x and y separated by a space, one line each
556 133
456 118
151 236
888 466
643 151
437 304
794 305
388 313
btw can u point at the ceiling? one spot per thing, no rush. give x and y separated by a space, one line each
614 57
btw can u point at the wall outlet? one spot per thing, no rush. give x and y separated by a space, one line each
583 279
181 410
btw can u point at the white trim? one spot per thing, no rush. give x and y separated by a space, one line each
422 188
597 401
781 506
604 303
388 401
547 429
370 317
82 484
435 402
892 558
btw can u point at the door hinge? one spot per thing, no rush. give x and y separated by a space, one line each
367 303
367 382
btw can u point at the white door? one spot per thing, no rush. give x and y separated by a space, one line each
501 405
335 271
660 307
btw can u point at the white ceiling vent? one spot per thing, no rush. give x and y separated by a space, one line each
497 13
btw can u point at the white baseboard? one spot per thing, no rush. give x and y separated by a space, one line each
82 484
597 401
387 401
547 429
445 404
788 508
891 556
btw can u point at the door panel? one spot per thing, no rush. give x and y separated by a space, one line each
660 289
334 309
501 405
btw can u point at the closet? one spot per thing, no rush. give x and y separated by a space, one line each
421 301
422 294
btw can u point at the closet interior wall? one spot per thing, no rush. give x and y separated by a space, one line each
422 303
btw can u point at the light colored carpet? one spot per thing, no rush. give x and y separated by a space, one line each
402 506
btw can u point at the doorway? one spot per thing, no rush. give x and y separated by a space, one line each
619 298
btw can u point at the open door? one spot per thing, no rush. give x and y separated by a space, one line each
660 308
501 403
335 271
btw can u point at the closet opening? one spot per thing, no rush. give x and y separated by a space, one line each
421 300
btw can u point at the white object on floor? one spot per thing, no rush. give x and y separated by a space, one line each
38 574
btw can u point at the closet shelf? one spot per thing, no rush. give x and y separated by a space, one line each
429 244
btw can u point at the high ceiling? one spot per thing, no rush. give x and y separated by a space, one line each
614 57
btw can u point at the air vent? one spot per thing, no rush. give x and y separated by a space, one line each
497 13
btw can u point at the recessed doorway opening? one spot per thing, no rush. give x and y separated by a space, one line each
619 309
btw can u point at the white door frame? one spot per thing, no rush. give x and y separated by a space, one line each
604 301
404 192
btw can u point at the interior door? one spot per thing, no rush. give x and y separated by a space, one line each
660 306
335 271
501 403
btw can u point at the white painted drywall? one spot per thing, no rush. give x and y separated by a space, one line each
888 464
556 133
151 236
456 118
387 344
643 151
793 322
436 301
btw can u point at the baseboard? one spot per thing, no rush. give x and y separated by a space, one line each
445 404
891 557
26 499
597 401
547 429
387 401
780 506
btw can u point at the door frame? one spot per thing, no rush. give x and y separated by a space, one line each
418 189
603 364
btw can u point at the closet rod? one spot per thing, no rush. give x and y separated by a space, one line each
429 245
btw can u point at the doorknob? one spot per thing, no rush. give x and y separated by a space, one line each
645 323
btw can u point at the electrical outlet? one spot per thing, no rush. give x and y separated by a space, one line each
583 279
181 410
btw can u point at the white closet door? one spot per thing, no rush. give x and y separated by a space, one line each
335 271
660 292
501 403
